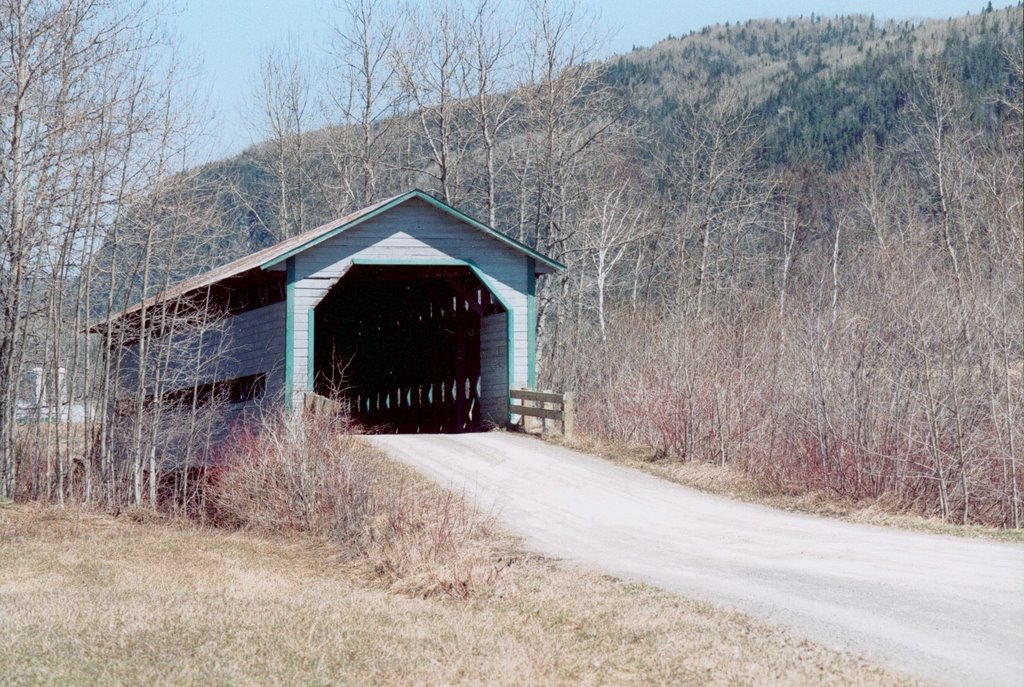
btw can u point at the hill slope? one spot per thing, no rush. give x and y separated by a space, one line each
820 85
815 89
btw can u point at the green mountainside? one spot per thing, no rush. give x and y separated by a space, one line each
819 86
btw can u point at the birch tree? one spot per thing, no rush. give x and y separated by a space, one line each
433 66
367 97
284 98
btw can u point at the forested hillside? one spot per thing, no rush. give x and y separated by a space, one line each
814 90
795 246
820 85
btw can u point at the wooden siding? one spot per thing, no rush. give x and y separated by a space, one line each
256 341
413 231
251 342
494 369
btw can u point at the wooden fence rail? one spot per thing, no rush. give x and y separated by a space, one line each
547 405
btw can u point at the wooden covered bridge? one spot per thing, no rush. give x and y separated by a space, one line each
416 316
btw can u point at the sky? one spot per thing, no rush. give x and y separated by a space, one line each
225 38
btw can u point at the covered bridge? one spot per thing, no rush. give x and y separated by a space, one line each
415 315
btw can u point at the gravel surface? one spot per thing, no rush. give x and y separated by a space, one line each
944 608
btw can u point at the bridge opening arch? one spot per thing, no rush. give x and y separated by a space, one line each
413 348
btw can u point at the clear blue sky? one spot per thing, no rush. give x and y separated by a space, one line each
226 37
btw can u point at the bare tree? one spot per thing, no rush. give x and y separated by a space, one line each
620 221
367 97
284 96
91 149
719 194
493 37
72 104
432 62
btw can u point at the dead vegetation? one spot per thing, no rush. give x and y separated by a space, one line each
730 481
92 599
307 475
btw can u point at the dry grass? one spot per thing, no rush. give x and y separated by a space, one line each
731 482
89 599
307 475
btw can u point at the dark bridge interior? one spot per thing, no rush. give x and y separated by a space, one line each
400 347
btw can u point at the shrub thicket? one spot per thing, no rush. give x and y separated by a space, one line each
309 474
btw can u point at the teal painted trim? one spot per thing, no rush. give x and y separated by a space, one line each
411 262
511 337
486 281
510 332
331 233
430 200
310 350
477 224
510 318
289 335
531 325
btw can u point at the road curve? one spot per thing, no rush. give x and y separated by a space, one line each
940 607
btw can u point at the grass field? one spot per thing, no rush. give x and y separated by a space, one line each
92 599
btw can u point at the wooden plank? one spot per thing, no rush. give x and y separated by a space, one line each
494 368
321 405
569 420
530 395
546 413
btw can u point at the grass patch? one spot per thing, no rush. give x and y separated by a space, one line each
726 480
92 599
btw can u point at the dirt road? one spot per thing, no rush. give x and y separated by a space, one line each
941 607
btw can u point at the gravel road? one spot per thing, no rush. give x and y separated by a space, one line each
944 608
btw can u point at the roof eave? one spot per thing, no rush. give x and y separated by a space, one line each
334 231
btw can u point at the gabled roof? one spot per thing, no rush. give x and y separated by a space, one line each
278 253
297 244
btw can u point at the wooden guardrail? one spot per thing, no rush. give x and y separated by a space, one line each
321 405
546 405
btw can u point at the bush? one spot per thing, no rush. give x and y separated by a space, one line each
310 474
